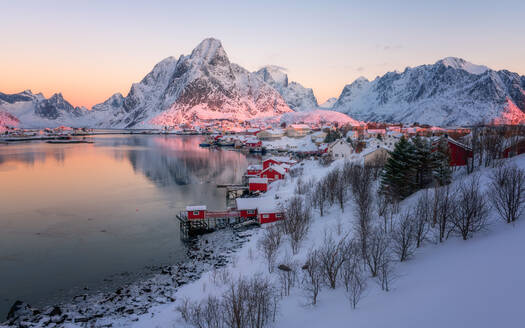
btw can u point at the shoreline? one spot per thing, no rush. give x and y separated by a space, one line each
204 253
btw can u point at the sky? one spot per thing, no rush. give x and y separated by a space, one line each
88 50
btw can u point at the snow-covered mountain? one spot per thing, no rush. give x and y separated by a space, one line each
296 96
34 110
450 92
201 86
329 103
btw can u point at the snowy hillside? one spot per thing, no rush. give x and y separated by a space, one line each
296 96
473 283
35 111
318 116
450 92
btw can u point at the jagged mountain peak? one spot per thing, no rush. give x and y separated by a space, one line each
274 74
450 92
296 96
460 63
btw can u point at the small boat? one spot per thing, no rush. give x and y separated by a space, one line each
69 141
260 150
204 144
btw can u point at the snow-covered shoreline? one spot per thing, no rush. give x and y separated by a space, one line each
129 301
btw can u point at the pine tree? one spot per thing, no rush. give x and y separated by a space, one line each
398 176
424 161
441 171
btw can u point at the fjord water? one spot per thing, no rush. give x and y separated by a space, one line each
76 216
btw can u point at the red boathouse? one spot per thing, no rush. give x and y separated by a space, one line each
258 184
274 172
196 212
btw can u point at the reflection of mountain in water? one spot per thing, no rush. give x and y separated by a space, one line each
33 156
168 160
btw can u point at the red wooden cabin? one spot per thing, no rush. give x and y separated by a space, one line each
196 212
274 172
268 213
258 184
247 207
254 170
517 148
277 161
253 143
459 153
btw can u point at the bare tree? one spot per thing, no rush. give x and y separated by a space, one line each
362 190
470 212
320 196
352 275
507 192
378 248
331 258
443 209
355 282
297 223
385 271
287 276
403 237
422 217
269 243
312 277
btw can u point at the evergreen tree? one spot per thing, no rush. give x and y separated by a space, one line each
424 161
398 178
441 171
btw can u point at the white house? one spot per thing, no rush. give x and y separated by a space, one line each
340 149
297 130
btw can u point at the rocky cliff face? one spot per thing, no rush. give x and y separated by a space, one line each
450 92
296 96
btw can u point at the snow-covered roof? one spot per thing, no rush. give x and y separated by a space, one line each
196 208
255 167
258 180
299 126
281 159
376 131
277 168
369 151
247 203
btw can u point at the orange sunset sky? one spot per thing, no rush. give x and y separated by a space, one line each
90 50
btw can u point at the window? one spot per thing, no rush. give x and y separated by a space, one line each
251 211
265 216
196 212
278 215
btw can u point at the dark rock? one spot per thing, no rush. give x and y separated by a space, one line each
284 267
56 311
19 309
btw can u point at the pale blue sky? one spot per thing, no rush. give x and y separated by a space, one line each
91 49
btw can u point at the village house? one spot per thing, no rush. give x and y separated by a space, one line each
257 185
278 160
270 134
318 137
196 212
516 148
273 173
297 130
375 157
340 149
374 133
459 153
262 209
254 170
247 207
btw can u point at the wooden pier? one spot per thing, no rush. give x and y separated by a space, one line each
211 221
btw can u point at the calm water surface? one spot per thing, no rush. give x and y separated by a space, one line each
95 215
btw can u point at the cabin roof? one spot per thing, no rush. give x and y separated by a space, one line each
258 180
277 168
196 208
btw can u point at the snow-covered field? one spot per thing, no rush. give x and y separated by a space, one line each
475 283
